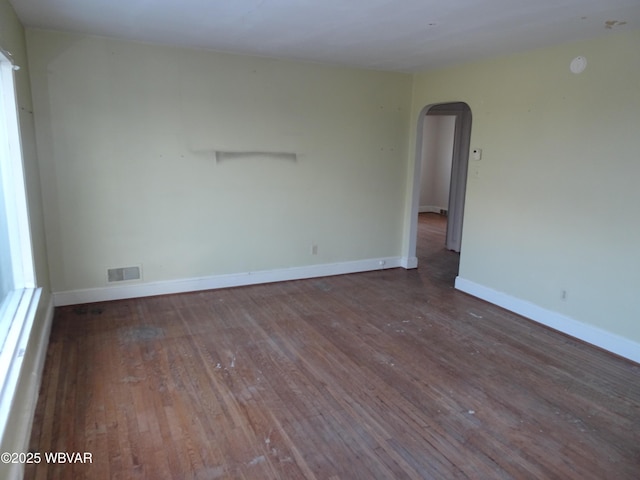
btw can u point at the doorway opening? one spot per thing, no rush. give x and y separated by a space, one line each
440 173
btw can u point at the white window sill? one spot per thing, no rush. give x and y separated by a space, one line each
24 304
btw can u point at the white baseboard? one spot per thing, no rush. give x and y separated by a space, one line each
431 209
409 262
588 333
129 290
35 375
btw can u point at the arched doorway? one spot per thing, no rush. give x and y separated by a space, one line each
458 174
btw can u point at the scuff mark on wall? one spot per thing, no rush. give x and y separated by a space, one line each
222 156
609 24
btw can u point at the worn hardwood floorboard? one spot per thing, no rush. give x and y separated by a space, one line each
381 375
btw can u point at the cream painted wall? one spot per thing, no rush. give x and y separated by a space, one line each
127 135
555 204
16 434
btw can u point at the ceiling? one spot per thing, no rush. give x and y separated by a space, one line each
403 35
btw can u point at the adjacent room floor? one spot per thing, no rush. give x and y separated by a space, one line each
382 375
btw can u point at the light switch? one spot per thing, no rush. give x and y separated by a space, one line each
477 153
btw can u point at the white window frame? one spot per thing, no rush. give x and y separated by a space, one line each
17 311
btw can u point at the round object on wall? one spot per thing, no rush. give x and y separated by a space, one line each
578 64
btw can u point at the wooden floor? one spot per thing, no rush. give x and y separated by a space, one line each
382 375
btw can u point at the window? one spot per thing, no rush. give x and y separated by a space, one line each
18 295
